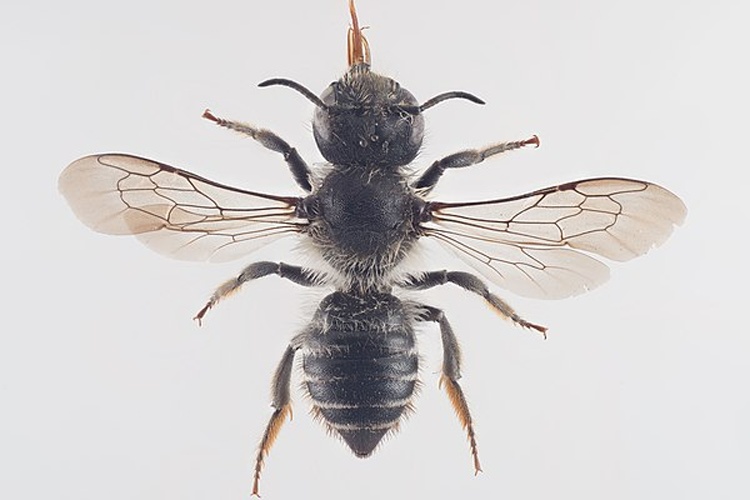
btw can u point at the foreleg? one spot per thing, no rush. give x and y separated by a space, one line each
268 139
462 159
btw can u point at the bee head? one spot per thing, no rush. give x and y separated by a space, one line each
368 119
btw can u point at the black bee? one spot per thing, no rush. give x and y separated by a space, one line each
363 215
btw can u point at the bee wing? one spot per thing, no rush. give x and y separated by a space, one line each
539 244
172 211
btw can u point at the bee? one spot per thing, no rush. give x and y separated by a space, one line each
362 215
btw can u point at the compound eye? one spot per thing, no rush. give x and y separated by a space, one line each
329 94
417 130
321 118
321 125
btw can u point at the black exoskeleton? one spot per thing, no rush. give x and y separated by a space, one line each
359 359
369 121
360 365
362 215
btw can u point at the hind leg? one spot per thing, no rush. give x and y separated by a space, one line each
451 372
281 402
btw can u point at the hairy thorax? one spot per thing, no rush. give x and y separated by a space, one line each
364 223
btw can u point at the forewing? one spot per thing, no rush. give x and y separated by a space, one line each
172 211
538 244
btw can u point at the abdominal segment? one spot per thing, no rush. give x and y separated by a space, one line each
361 380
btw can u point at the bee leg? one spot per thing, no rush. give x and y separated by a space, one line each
268 139
473 284
451 372
281 402
466 158
299 275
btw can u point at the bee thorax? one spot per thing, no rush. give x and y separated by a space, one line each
364 222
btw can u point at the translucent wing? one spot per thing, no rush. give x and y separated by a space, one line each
538 244
173 211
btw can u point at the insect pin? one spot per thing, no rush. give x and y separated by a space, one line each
362 215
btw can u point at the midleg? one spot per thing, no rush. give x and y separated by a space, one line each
451 372
299 275
430 177
473 284
270 140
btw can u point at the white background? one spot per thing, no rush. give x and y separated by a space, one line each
110 391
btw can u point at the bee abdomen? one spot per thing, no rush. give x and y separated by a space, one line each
361 383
